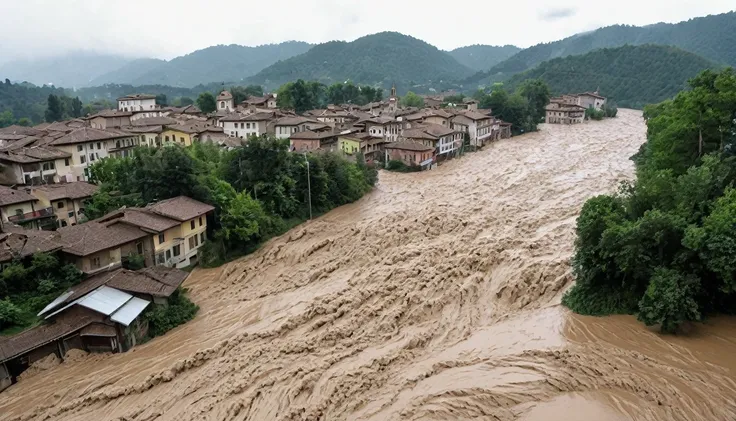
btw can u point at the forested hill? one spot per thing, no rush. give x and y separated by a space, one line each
483 57
70 70
712 37
381 58
632 76
221 63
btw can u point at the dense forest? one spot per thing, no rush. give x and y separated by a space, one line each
712 37
483 57
380 59
630 76
24 101
664 246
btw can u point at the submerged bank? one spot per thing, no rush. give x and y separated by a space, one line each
434 297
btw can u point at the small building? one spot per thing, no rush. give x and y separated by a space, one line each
267 101
285 127
478 126
34 165
67 200
409 152
591 100
19 207
181 134
225 101
95 247
244 126
470 104
108 119
103 313
137 102
349 144
562 113
309 141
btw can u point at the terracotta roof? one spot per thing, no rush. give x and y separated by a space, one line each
91 237
593 94
111 114
249 117
191 128
144 129
76 190
409 146
140 218
88 134
17 242
418 133
181 208
10 196
15 129
136 96
30 339
153 121
436 130
291 121
474 115
439 113
224 96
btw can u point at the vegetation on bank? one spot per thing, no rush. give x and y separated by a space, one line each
664 246
177 311
258 190
524 108
28 285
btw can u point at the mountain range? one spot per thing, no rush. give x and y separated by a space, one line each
712 37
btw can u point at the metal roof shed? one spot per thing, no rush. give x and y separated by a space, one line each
129 311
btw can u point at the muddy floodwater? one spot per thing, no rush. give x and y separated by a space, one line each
435 297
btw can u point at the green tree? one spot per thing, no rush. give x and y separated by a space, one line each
206 102
537 96
53 109
25 122
412 100
669 300
241 218
76 107
7 118
254 90
162 100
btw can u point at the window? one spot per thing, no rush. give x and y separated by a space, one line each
160 259
63 223
191 242
83 159
196 240
181 139
201 237
91 157
200 221
167 138
71 214
139 247
242 125
79 148
191 224
168 254
60 205
177 250
161 238
99 145
96 262
19 212
66 162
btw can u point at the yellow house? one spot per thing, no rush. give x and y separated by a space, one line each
19 207
67 200
177 228
181 134
349 144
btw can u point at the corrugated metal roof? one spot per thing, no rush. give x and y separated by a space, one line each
105 300
60 299
130 310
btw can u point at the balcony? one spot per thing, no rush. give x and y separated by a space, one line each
32 216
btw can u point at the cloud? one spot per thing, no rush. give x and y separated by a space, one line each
557 14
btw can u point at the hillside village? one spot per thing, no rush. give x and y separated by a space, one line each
45 182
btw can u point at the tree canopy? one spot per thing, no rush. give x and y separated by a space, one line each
206 102
664 246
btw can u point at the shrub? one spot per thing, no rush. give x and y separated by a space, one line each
669 300
135 261
593 114
179 310
10 314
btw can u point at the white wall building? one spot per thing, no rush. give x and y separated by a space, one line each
137 102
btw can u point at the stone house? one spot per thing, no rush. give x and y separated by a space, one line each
562 113
410 152
19 207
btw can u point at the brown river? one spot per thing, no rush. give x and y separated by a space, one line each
435 297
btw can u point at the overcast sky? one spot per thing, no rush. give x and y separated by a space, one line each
166 29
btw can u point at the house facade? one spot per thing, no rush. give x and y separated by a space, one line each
86 145
591 100
19 207
244 126
137 102
225 102
479 127
67 200
560 113
285 127
410 152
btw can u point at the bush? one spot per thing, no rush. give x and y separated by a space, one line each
593 114
610 110
669 300
163 318
134 261
10 314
